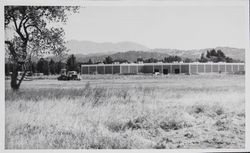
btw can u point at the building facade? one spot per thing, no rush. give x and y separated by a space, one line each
163 68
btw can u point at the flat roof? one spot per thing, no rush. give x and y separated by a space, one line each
127 64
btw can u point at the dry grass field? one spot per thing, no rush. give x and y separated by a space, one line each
123 112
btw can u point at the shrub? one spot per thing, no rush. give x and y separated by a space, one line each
199 109
115 126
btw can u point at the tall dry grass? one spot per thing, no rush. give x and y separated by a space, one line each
127 112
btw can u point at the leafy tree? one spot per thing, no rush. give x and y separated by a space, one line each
58 66
108 60
208 54
43 66
151 60
33 35
46 68
213 52
33 67
39 65
203 58
71 63
168 59
215 56
139 59
121 60
89 62
188 60
177 58
52 67
229 60
221 59
172 59
220 54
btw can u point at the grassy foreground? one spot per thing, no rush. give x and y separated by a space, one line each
203 111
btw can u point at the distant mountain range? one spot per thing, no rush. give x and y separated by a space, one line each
89 47
235 53
85 50
157 54
129 56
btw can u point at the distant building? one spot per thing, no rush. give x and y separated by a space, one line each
163 68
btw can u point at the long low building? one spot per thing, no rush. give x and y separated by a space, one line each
163 68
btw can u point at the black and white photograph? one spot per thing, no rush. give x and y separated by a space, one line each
165 75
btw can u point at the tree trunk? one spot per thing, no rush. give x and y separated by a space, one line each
14 85
19 60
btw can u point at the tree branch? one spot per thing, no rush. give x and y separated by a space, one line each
27 19
32 25
15 23
17 29
26 33
8 42
20 24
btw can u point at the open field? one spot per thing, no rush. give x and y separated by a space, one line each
112 111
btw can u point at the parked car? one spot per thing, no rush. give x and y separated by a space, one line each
71 75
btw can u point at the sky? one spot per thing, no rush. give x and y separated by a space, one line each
176 27
180 27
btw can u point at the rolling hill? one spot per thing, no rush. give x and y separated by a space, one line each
89 47
85 50
131 56
235 53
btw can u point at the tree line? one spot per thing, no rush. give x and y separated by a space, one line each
210 56
216 56
51 67
169 59
47 67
